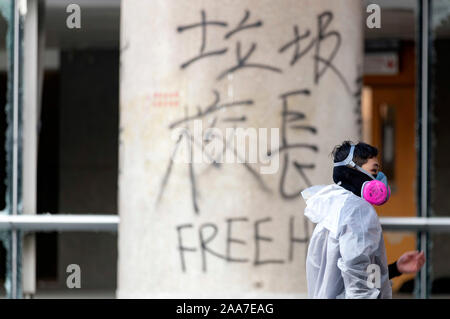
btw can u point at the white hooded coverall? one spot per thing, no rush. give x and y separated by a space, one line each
346 240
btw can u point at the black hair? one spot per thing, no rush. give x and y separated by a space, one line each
349 178
361 154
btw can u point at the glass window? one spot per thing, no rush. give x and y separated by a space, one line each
440 139
389 118
78 143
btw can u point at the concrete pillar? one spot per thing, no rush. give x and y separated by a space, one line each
194 228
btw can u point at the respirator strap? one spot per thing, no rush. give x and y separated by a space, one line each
349 162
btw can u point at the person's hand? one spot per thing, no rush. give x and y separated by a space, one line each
410 262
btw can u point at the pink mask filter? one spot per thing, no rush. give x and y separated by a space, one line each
376 192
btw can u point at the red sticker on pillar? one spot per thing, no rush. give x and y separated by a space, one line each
165 99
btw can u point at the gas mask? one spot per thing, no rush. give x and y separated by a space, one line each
376 191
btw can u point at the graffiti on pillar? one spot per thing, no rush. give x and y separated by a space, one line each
292 118
302 46
195 141
260 239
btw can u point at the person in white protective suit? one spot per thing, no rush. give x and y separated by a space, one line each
346 254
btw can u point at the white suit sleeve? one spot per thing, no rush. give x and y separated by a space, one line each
359 239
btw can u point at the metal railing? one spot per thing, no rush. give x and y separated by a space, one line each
60 222
110 223
416 224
